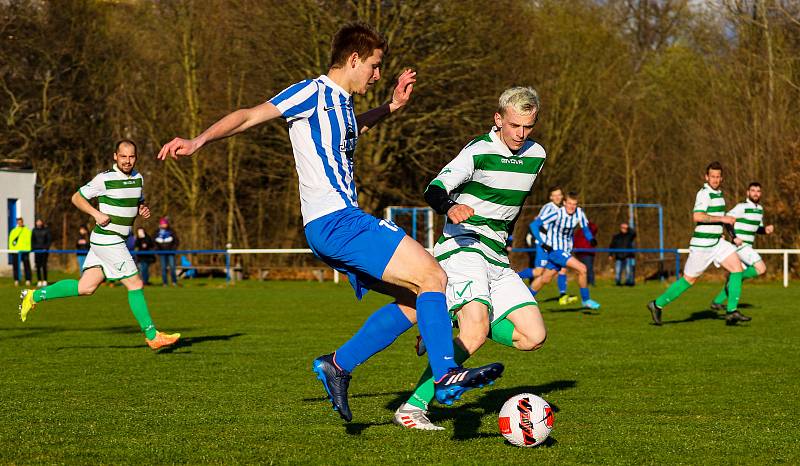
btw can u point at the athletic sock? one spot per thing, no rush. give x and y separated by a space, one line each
562 284
60 289
734 291
749 272
526 274
379 331
672 293
139 308
436 329
503 332
425 390
585 294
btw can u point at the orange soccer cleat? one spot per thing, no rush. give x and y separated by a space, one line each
162 340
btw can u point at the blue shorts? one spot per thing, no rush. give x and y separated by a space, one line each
541 257
557 259
356 243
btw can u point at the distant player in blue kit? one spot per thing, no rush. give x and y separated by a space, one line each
375 254
557 245
540 258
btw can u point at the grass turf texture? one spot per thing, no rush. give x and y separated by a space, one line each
79 386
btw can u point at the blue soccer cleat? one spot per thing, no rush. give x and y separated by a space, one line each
591 304
459 380
335 381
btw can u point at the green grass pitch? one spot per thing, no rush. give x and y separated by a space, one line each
78 385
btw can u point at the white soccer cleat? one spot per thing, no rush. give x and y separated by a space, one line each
411 417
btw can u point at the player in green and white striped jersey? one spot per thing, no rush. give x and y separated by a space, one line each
482 192
708 246
120 201
749 222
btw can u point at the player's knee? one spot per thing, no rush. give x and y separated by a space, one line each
86 289
532 341
434 278
760 267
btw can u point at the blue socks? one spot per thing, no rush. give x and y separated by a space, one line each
585 294
526 274
379 331
562 284
437 332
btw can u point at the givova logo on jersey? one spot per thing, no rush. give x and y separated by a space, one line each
348 145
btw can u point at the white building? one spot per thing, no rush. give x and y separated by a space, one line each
17 199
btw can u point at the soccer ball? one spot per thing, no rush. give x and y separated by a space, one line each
526 420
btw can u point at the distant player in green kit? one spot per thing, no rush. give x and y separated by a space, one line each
749 223
120 200
708 246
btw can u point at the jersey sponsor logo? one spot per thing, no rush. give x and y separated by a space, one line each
348 145
512 161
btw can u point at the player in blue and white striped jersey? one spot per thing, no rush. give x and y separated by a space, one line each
376 254
557 244
539 259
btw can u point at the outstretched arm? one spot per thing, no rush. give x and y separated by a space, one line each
230 124
400 97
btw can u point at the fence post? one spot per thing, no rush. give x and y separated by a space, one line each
227 267
786 269
677 264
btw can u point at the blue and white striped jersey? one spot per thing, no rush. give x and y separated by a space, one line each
561 226
546 210
324 133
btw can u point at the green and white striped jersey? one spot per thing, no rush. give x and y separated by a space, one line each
118 196
486 176
711 202
749 217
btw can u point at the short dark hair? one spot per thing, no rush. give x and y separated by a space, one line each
125 141
554 189
356 37
573 195
713 166
754 184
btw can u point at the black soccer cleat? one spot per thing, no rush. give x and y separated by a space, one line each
336 381
732 318
655 312
718 306
459 380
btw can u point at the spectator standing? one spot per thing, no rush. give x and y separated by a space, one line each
19 239
586 257
82 245
41 240
144 243
624 261
166 240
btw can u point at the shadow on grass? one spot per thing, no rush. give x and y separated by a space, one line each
189 341
581 310
706 314
467 418
357 428
182 343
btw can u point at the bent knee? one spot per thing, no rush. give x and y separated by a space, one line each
532 342
434 277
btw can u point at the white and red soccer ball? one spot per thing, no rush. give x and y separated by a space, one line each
526 420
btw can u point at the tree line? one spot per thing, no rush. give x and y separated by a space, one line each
637 98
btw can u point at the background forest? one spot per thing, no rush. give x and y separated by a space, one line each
638 97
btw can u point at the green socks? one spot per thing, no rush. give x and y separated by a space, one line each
60 289
139 307
424 392
672 293
734 290
503 333
749 272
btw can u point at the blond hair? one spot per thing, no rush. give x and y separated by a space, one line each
524 100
